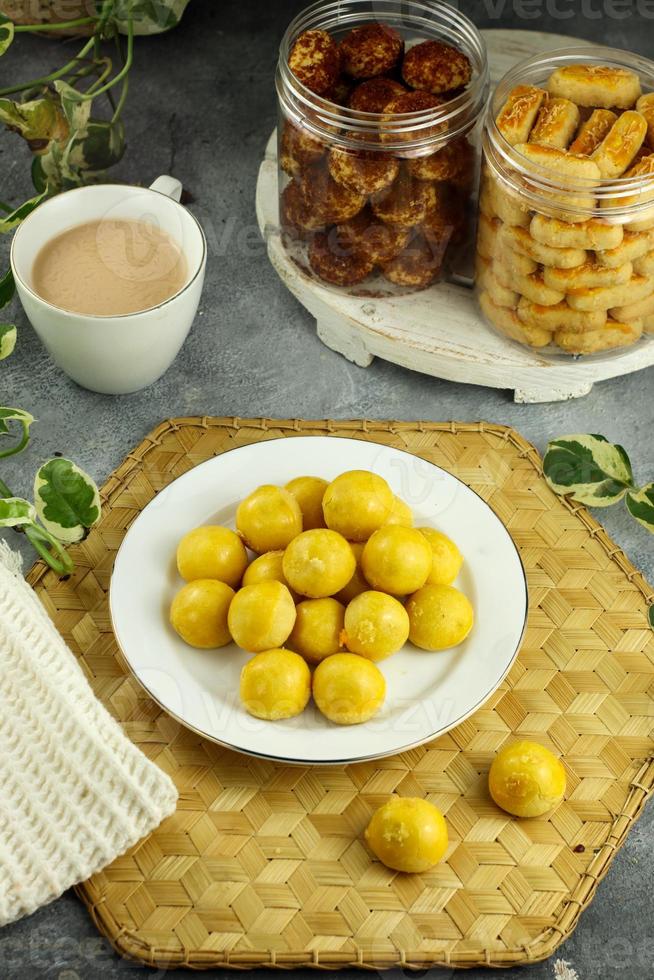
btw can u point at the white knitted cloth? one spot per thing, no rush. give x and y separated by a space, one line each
74 791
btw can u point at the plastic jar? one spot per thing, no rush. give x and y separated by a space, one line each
376 177
565 245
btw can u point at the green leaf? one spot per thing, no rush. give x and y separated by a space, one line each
7 288
76 109
16 512
99 146
149 16
7 339
38 176
650 616
14 415
640 504
37 121
14 218
67 500
591 469
6 33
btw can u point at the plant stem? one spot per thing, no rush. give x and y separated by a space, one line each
13 451
38 82
6 207
60 26
51 550
47 546
123 71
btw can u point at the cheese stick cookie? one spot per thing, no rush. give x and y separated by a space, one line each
592 132
570 170
645 265
612 334
501 293
516 117
560 317
600 86
515 263
644 169
555 124
607 297
508 207
519 240
586 234
487 233
635 245
588 276
617 151
645 106
635 311
532 287
508 323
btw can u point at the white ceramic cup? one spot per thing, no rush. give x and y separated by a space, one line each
113 354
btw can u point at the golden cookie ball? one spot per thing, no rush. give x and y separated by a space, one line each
357 503
436 67
397 559
348 689
401 513
407 834
267 568
315 61
526 779
446 557
357 583
440 617
454 158
268 519
212 552
337 260
296 218
199 613
422 102
378 241
405 202
326 199
370 50
318 628
374 94
364 170
309 491
416 266
376 625
318 563
298 149
261 616
275 684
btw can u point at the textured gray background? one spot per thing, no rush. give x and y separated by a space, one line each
201 106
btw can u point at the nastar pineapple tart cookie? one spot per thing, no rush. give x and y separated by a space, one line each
323 576
362 182
588 285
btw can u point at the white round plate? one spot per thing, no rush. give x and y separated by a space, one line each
427 693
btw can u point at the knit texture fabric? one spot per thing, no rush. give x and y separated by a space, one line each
75 793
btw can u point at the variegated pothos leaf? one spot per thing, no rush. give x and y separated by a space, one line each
66 499
149 16
14 415
6 33
8 336
640 504
16 512
589 468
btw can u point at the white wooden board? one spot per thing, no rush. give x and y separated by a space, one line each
439 331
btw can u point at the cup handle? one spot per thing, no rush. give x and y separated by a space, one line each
169 186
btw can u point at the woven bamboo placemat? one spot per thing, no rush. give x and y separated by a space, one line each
263 864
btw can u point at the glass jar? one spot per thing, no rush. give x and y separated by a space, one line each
376 176
565 244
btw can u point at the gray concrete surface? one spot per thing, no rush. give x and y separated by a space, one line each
202 106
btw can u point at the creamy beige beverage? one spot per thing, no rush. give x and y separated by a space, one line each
109 268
